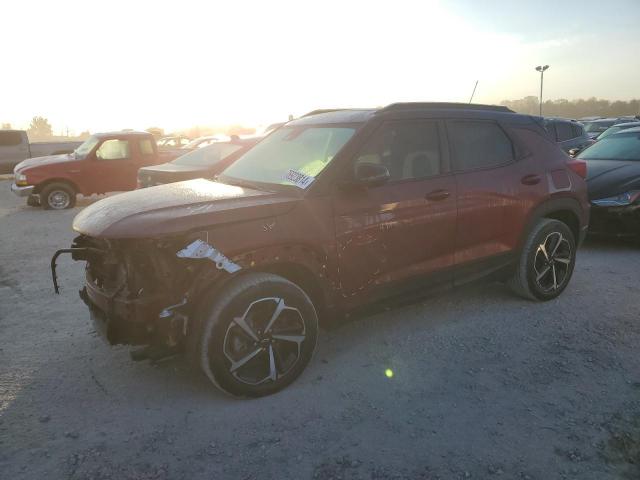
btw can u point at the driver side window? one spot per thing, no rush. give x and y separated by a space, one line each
409 150
113 150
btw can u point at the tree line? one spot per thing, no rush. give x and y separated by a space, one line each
574 108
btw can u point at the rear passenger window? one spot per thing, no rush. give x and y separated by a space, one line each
408 149
479 144
146 147
564 130
10 139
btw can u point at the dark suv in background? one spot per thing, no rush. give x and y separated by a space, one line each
569 134
330 212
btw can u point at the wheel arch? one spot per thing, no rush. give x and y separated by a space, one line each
42 185
299 264
566 210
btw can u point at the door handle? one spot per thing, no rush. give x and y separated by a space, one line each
530 179
437 195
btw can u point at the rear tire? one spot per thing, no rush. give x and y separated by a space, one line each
546 262
57 196
257 335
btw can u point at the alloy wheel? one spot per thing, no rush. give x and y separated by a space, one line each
552 262
264 344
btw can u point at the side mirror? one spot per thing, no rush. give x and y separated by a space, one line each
574 151
371 174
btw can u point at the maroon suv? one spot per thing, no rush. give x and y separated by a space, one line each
330 212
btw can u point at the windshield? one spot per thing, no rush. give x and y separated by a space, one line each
207 156
85 148
622 146
305 150
594 127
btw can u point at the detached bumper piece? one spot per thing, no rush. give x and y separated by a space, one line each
618 220
77 253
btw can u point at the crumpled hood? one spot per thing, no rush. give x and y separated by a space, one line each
49 159
177 208
606 178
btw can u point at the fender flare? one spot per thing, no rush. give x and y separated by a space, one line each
289 261
38 188
547 207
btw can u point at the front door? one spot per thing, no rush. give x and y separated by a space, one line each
404 228
114 168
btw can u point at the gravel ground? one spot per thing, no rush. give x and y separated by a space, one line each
485 385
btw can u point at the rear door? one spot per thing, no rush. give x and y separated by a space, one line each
493 188
403 229
14 147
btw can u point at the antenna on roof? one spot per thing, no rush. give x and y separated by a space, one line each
474 91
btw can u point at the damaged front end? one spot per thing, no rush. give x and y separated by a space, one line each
140 292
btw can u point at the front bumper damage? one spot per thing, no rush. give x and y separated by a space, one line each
140 292
615 220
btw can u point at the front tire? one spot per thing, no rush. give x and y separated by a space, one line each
258 335
546 262
57 196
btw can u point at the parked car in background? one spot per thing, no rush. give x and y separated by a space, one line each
613 182
568 134
588 119
15 147
330 212
205 162
202 142
616 128
173 142
596 127
105 162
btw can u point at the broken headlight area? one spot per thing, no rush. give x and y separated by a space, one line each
140 292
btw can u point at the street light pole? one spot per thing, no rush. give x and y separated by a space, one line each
541 69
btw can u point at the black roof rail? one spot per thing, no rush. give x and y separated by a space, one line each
394 107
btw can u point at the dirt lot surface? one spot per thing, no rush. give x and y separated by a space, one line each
484 385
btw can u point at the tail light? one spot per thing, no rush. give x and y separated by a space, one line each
578 166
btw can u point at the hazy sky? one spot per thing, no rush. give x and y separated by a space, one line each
115 64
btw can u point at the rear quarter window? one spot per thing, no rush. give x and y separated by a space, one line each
10 139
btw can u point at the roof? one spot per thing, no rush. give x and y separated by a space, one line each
627 124
120 132
444 106
627 130
560 119
361 115
614 119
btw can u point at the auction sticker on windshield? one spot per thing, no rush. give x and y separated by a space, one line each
299 179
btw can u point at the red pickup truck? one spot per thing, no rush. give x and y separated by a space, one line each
105 162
